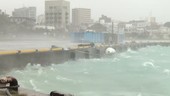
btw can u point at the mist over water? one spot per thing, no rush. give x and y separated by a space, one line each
33 41
145 72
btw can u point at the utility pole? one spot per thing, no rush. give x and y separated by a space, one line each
112 32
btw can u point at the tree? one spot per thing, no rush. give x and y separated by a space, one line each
4 22
97 27
167 24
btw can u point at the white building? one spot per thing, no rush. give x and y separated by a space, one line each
57 13
164 29
136 26
81 16
25 12
25 15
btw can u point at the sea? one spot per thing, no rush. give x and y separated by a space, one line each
142 72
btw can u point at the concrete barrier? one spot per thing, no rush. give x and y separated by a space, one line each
56 49
43 50
27 51
46 56
10 52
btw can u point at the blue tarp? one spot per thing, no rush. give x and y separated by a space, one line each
96 37
87 37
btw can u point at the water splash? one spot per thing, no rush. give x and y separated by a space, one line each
131 73
34 85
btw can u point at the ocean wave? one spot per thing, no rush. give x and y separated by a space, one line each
88 74
63 78
131 51
116 94
33 66
124 55
116 60
150 64
40 72
166 71
34 85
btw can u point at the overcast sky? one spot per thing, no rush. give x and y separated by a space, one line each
117 9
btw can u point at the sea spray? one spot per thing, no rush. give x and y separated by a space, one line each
132 73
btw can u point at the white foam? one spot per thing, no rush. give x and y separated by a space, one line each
131 51
19 72
52 69
33 85
125 55
167 71
46 81
40 71
88 94
116 60
63 78
139 94
86 72
150 64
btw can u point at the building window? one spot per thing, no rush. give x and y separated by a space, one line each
66 13
50 7
59 13
65 7
55 21
59 22
66 17
59 17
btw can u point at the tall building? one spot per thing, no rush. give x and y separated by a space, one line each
81 16
57 13
152 20
25 12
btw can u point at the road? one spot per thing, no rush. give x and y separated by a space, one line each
32 44
42 43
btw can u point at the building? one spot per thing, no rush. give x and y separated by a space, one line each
25 16
152 20
25 12
3 13
105 19
40 20
136 26
81 16
57 13
28 22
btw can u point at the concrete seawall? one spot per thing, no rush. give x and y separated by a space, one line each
45 56
20 58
